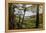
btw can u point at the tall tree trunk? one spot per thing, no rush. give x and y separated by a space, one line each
19 22
23 16
37 16
11 17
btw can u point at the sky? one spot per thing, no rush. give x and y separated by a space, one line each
28 12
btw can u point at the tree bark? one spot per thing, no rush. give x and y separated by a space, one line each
37 16
23 16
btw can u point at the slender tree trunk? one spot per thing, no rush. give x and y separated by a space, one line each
23 16
37 17
12 17
19 18
19 22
